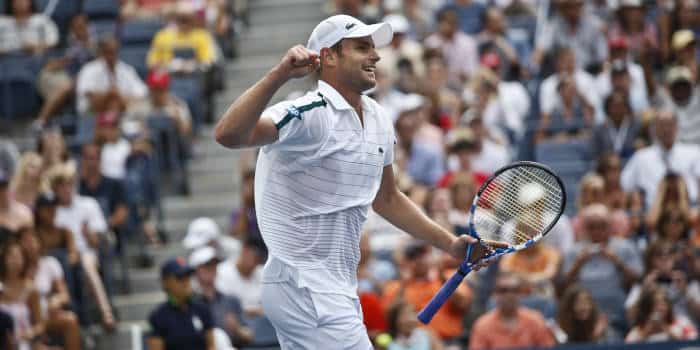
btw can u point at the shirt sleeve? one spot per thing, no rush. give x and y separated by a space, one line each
137 87
50 31
295 128
207 318
55 268
204 46
156 55
157 327
95 217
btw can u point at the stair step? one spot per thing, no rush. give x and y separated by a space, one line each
308 12
269 4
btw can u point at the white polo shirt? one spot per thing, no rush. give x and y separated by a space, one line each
82 210
314 185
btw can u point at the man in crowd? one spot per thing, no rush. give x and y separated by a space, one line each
13 215
510 325
242 277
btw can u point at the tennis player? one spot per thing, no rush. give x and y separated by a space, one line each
325 158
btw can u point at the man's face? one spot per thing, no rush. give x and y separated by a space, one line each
495 21
620 81
666 129
90 159
178 287
110 52
449 24
507 293
64 191
206 273
566 63
598 228
356 63
681 91
571 10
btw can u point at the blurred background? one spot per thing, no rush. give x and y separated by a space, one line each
116 203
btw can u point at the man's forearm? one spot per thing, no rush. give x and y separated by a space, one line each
404 214
239 120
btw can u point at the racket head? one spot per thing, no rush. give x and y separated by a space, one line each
517 206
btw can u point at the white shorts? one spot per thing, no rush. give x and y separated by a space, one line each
307 320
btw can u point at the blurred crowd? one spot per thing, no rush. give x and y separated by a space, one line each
603 91
122 90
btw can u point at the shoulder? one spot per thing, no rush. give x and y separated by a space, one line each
159 312
531 316
484 322
86 203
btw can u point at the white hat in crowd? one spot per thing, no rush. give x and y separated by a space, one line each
201 256
200 232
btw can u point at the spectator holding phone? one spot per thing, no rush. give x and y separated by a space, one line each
656 320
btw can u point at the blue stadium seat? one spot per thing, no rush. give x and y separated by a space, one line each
139 32
169 150
62 13
19 97
135 56
550 151
100 9
189 88
104 27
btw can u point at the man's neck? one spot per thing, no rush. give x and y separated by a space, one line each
353 98
508 315
242 270
208 291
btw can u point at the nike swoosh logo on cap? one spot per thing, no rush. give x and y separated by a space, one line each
349 25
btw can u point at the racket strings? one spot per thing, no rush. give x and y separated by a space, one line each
518 205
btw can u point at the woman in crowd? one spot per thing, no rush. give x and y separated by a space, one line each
55 241
591 191
656 320
580 321
572 116
631 23
27 183
19 297
53 293
51 146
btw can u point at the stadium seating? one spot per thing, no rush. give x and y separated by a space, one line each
18 85
135 56
101 9
139 32
61 14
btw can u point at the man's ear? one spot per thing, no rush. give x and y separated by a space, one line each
328 57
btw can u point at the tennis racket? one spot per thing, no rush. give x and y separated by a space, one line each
515 207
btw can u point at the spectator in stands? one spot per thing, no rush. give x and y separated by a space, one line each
55 241
27 181
108 192
632 24
48 280
537 266
671 201
509 325
579 320
438 87
493 37
458 48
609 167
7 330
621 73
592 190
417 285
244 222
463 188
13 215
162 102
682 97
56 81
242 277
114 148
572 28
483 97
618 134
470 15
404 331
661 269
372 274
146 9
438 206
51 146
656 320
23 29
107 83
425 162
566 66
19 297
602 263
180 322
684 48
460 145
571 117
489 154
649 165
83 217
202 232
401 46
226 311
184 47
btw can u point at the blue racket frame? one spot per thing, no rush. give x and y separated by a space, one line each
465 267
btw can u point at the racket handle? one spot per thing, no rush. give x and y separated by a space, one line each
441 297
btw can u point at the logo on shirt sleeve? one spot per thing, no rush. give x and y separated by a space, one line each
197 324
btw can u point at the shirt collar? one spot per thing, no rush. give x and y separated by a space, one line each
333 96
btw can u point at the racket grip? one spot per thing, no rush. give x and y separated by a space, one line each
441 297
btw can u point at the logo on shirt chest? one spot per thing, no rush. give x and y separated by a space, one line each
197 324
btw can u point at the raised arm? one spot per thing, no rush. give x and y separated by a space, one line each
241 125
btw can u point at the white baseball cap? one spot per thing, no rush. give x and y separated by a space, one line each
398 23
336 28
201 256
200 232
